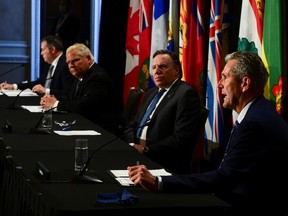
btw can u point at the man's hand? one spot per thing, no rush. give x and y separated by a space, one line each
6 86
39 89
140 175
47 101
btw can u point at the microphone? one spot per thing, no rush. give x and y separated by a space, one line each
81 178
36 129
13 104
13 69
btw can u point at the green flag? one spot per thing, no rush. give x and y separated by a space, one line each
272 52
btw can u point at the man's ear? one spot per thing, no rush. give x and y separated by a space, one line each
246 82
53 49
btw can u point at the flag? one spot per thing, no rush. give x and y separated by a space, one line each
251 29
132 48
192 55
144 77
272 52
173 26
159 35
214 127
251 26
138 42
191 44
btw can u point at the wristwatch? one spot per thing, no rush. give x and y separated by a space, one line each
145 149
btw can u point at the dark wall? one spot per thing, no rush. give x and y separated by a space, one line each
113 40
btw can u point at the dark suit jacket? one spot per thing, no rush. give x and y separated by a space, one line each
61 82
253 172
174 127
68 32
96 99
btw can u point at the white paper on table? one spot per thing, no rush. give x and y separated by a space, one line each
14 93
121 176
124 181
76 132
33 109
124 173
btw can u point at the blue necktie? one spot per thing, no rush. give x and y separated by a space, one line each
149 111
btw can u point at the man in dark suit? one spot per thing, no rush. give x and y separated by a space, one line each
252 176
172 130
93 95
67 25
59 78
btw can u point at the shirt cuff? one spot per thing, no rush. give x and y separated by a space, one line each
15 86
160 184
47 90
56 105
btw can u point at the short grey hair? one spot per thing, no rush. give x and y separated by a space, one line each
82 50
251 65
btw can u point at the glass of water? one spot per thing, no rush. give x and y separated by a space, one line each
81 153
47 121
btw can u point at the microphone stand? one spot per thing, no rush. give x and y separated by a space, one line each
13 105
36 129
81 178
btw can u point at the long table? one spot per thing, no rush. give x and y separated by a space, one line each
23 191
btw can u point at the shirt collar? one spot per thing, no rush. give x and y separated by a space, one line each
243 112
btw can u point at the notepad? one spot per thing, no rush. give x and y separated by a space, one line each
33 108
77 132
121 176
20 93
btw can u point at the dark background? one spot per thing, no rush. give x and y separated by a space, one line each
112 32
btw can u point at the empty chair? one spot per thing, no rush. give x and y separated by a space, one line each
131 106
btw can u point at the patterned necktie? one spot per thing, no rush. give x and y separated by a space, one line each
49 77
232 131
228 144
149 111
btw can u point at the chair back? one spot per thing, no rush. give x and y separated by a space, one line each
131 107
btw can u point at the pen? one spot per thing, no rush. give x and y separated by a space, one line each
66 128
137 163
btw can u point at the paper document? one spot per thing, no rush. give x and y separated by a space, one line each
124 181
121 176
33 109
76 132
124 173
14 93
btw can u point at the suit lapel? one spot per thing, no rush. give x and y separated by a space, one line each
169 95
85 79
147 102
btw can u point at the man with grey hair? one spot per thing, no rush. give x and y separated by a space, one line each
93 95
252 176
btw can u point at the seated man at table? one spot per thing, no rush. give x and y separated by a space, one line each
56 79
93 95
173 123
252 176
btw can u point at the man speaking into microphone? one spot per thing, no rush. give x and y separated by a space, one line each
57 79
171 111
